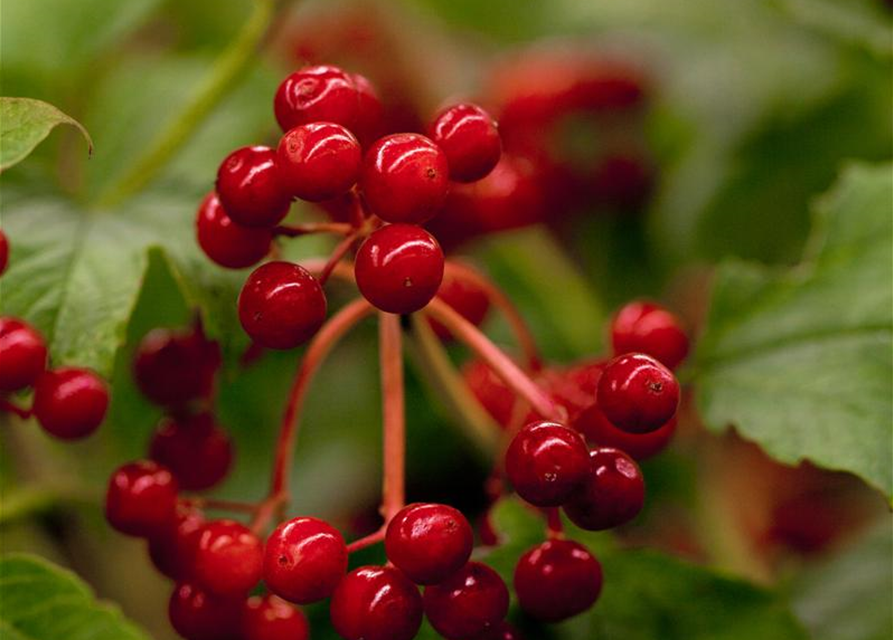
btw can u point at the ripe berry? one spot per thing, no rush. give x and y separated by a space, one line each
225 242
199 615
319 160
376 603
23 355
644 327
638 393
250 187
281 305
315 94
502 631
598 430
405 178
429 542
173 368
4 252
557 579
195 449
467 603
305 558
370 117
271 618
399 268
469 138
229 558
70 403
546 462
141 499
172 551
490 390
611 495
466 298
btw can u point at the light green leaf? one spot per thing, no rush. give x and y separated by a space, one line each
24 124
864 23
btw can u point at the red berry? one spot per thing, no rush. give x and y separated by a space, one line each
70 403
4 252
173 550
405 178
599 431
429 542
546 462
271 618
173 368
489 389
376 603
227 243
502 631
399 268
469 138
644 327
370 117
198 615
319 160
314 94
623 181
304 561
281 305
557 579
195 449
611 495
638 393
469 300
23 355
250 187
229 558
467 603
141 499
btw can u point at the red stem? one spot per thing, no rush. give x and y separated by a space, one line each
337 254
222 505
9 407
393 414
341 270
367 541
555 528
295 230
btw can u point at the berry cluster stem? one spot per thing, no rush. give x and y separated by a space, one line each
393 414
9 407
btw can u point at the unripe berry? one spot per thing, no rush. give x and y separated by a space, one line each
318 161
557 579
612 494
429 542
469 138
304 560
70 403
229 558
225 242
172 551
638 393
376 603
23 355
195 449
316 94
198 615
173 368
468 603
546 462
645 327
271 618
141 499
250 188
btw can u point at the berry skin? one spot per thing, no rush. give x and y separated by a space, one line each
271 618
467 603
4 252
304 561
612 495
546 462
489 389
173 550
598 430
23 355
315 94
250 187
405 178
502 631
469 138
370 118
376 603
464 297
198 615
141 499
229 558
429 542
173 368
319 161
70 403
557 579
644 327
195 449
281 305
637 393
399 268
228 244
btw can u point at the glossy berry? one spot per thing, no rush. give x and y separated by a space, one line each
141 499
304 560
405 178
281 305
429 542
23 355
319 160
399 268
271 618
376 603
229 558
638 393
468 603
172 550
466 298
546 462
557 579
501 631
173 367
599 431
316 94
370 117
644 327
196 450
69 402
469 138
612 494
225 242
4 252
199 615
250 187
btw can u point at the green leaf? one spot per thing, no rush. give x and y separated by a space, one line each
40 601
799 361
863 23
24 124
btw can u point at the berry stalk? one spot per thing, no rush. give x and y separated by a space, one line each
393 414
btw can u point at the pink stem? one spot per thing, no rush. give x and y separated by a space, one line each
293 231
393 414
339 252
555 528
9 407
367 541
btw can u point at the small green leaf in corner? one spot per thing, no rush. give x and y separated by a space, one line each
25 123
